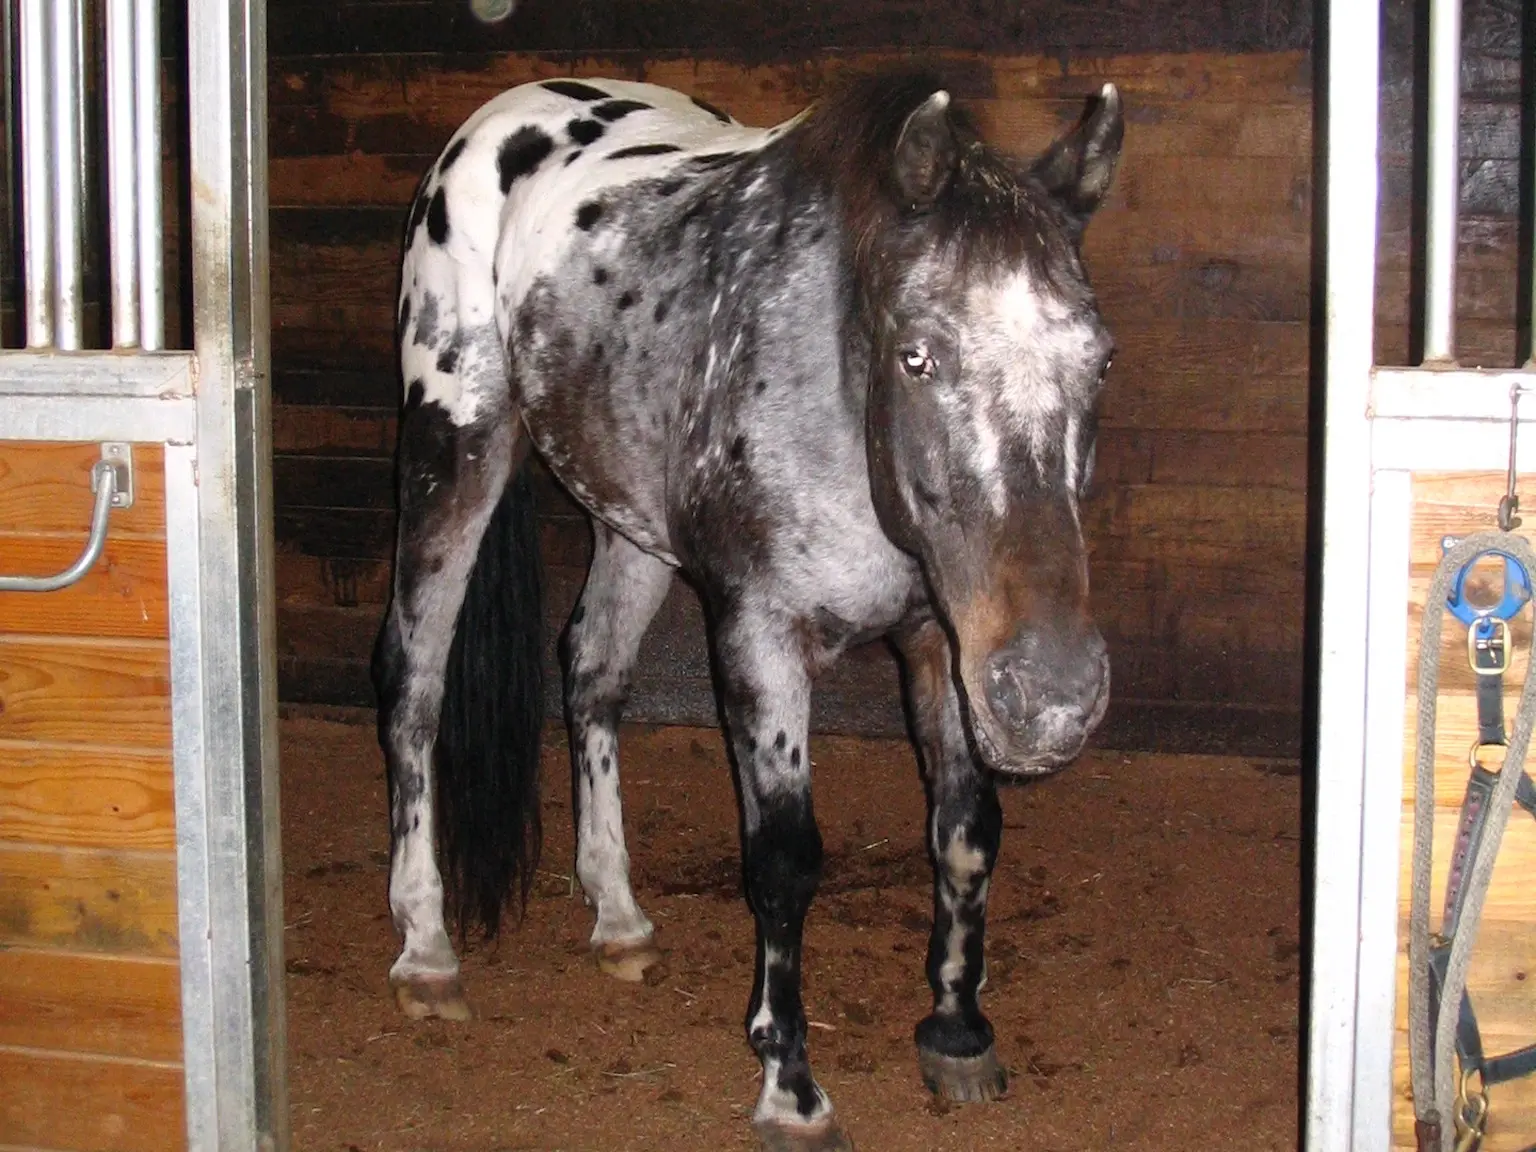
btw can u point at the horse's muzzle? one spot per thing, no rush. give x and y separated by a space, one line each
1044 695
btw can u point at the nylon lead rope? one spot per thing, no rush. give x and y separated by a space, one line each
1432 1043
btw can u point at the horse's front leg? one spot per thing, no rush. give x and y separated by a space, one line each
767 706
955 1050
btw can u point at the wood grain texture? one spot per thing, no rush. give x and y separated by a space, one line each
123 903
101 1005
1499 981
86 797
47 488
85 691
123 595
84 1104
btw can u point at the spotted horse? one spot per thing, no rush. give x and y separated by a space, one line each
843 376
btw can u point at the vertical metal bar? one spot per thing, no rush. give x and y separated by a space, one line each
122 174
227 93
1444 160
1352 65
69 220
1382 809
36 173
151 228
10 267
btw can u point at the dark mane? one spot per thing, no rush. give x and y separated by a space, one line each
991 213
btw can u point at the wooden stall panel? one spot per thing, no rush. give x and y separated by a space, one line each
90 1013
86 797
1503 993
57 1101
102 1005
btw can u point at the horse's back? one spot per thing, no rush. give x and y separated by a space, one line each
500 207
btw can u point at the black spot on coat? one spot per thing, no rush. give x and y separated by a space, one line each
437 218
612 110
584 131
575 89
711 109
520 154
455 150
643 150
588 215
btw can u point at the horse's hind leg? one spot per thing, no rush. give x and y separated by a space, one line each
955 1050
451 478
624 588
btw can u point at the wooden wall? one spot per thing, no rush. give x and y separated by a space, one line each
1503 994
90 1033
1203 258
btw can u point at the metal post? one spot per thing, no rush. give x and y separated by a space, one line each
1352 62
122 170
68 230
36 178
1444 180
235 661
151 230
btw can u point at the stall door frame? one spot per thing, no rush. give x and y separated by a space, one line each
1381 425
211 409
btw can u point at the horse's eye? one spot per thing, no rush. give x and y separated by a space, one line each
917 363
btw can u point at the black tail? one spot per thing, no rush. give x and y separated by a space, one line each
487 760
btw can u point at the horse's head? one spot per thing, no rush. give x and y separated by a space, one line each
988 358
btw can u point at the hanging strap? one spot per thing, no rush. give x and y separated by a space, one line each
1432 1027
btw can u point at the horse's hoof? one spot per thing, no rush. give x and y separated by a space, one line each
826 1136
628 960
963 1079
423 998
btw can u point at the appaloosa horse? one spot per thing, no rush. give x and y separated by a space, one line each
842 374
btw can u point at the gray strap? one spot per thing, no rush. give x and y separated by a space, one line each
1434 1088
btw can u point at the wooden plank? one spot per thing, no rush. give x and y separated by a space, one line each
123 595
86 692
104 1005
90 1104
47 488
86 797
123 903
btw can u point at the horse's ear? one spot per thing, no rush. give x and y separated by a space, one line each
925 152
1077 169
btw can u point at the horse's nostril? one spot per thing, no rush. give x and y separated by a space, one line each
1006 692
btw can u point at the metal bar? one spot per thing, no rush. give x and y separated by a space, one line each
1444 180
1352 63
104 482
194 880
1449 393
151 227
1381 808
69 218
227 72
122 174
36 173
9 68
164 375
69 416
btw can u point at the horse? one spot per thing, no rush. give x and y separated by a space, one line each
842 375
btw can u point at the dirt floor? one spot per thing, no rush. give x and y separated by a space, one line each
1143 964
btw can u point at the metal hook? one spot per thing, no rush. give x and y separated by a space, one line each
1509 506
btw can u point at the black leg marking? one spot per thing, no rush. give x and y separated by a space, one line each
955 1041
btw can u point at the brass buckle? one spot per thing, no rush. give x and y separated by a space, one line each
1496 643
1475 761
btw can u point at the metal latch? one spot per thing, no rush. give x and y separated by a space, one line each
112 482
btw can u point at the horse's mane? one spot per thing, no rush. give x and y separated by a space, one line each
993 211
